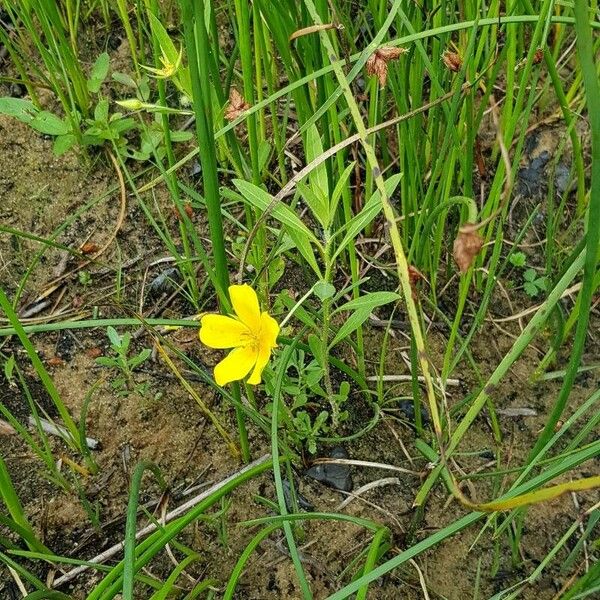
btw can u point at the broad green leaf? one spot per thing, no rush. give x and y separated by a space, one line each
323 290
371 209
105 361
20 109
124 79
113 336
318 200
305 249
368 301
262 199
354 321
101 111
49 124
62 143
362 308
314 343
99 73
181 136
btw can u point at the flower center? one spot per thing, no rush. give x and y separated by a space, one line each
251 338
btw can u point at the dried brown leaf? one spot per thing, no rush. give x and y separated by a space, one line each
55 361
377 63
237 105
93 352
467 245
90 248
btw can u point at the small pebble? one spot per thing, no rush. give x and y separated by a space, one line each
408 408
195 170
335 476
165 282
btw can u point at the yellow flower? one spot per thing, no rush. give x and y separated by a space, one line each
251 333
168 68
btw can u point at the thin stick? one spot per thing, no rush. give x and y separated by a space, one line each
362 463
153 527
365 488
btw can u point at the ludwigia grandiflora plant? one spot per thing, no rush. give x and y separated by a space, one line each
339 142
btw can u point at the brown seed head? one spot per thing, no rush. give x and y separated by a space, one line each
452 60
467 245
377 64
237 105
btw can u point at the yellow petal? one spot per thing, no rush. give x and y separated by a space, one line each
261 362
218 331
245 305
269 330
236 365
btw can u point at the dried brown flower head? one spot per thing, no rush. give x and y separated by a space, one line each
236 106
467 245
537 57
414 275
377 64
452 60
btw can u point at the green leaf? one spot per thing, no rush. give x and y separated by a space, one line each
62 143
339 189
113 336
48 123
124 79
354 321
370 210
276 270
316 201
530 289
9 366
362 308
101 111
140 358
530 275
323 290
317 179
316 347
368 301
105 361
262 199
264 152
518 259
171 53
99 73
23 110
181 136
305 249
